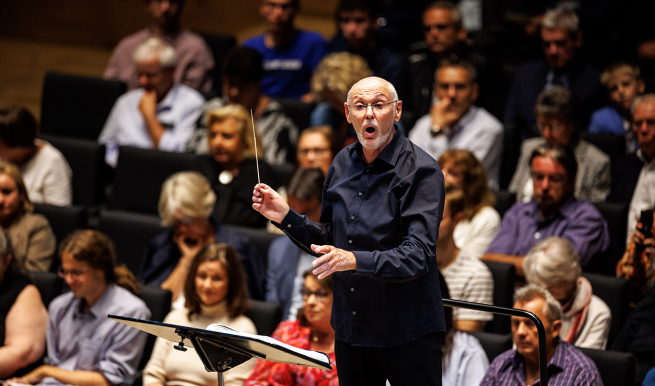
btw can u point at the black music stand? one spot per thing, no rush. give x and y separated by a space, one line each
221 348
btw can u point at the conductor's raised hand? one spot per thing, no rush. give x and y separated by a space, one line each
269 203
333 260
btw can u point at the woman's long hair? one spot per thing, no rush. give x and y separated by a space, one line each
325 283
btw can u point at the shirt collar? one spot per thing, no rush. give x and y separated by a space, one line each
390 153
98 308
649 165
565 210
558 360
464 120
167 102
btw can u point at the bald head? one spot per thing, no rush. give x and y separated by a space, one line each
373 83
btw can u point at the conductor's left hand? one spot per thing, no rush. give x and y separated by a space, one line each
333 260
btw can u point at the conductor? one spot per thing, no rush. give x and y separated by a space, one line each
381 209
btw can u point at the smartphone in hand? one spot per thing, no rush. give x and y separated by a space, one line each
646 221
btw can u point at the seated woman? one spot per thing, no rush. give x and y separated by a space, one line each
310 331
186 204
215 292
586 319
481 221
84 346
23 318
231 167
317 147
45 170
31 237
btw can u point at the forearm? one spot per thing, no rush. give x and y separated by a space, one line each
175 281
155 129
517 261
470 325
15 358
80 378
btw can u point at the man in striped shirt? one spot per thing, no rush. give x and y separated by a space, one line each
566 364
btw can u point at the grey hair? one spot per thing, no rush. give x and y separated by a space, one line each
155 47
447 63
561 17
552 308
389 86
454 10
640 99
552 261
186 194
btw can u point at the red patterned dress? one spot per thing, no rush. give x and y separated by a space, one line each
282 374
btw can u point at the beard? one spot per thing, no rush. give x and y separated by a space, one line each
377 143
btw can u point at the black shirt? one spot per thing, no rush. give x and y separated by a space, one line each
388 214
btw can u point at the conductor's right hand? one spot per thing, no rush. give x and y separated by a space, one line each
269 203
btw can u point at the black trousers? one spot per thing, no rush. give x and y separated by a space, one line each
415 363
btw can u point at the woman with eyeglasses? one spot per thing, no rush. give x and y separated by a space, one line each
23 318
560 117
215 292
185 207
310 331
84 346
32 238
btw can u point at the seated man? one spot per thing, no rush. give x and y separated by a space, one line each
286 262
467 277
194 59
560 39
358 22
559 120
566 364
623 82
290 55
455 123
242 79
553 211
554 265
159 115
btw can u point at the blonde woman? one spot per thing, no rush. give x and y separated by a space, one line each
185 205
231 169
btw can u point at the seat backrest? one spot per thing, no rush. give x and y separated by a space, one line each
299 112
610 144
159 303
493 344
63 220
130 233
615 293
144 171
87 161
511 154
504 201
219 46
265 315
77 106
504 276
260 238
49 285
615 368
616 216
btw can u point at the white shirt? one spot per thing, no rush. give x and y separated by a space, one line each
477 131
473 237
467 362
178 113
644 195
470 280
48 177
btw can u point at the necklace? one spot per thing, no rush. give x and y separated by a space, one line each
225 177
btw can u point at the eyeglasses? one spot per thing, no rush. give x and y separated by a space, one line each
554 128
650 123
557 43
320 295
378 107
554 178
319 151
438 27
74 273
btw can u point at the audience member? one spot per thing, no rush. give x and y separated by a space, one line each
455 123
467 277
84 346
553 211
194 59
215 291
446 38
636 265
317 147
358 22
566 364
310 331
231 168
23 318
290 55
560 39
286 262
623 82
185 205
554 265
558 112
464 361
45 171
31 237
161 114
242 77
480 221
332 80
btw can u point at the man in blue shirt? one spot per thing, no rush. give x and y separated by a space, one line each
290 55
382 205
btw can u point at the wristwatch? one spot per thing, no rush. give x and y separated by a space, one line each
436 130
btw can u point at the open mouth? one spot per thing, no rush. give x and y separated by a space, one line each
369 130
